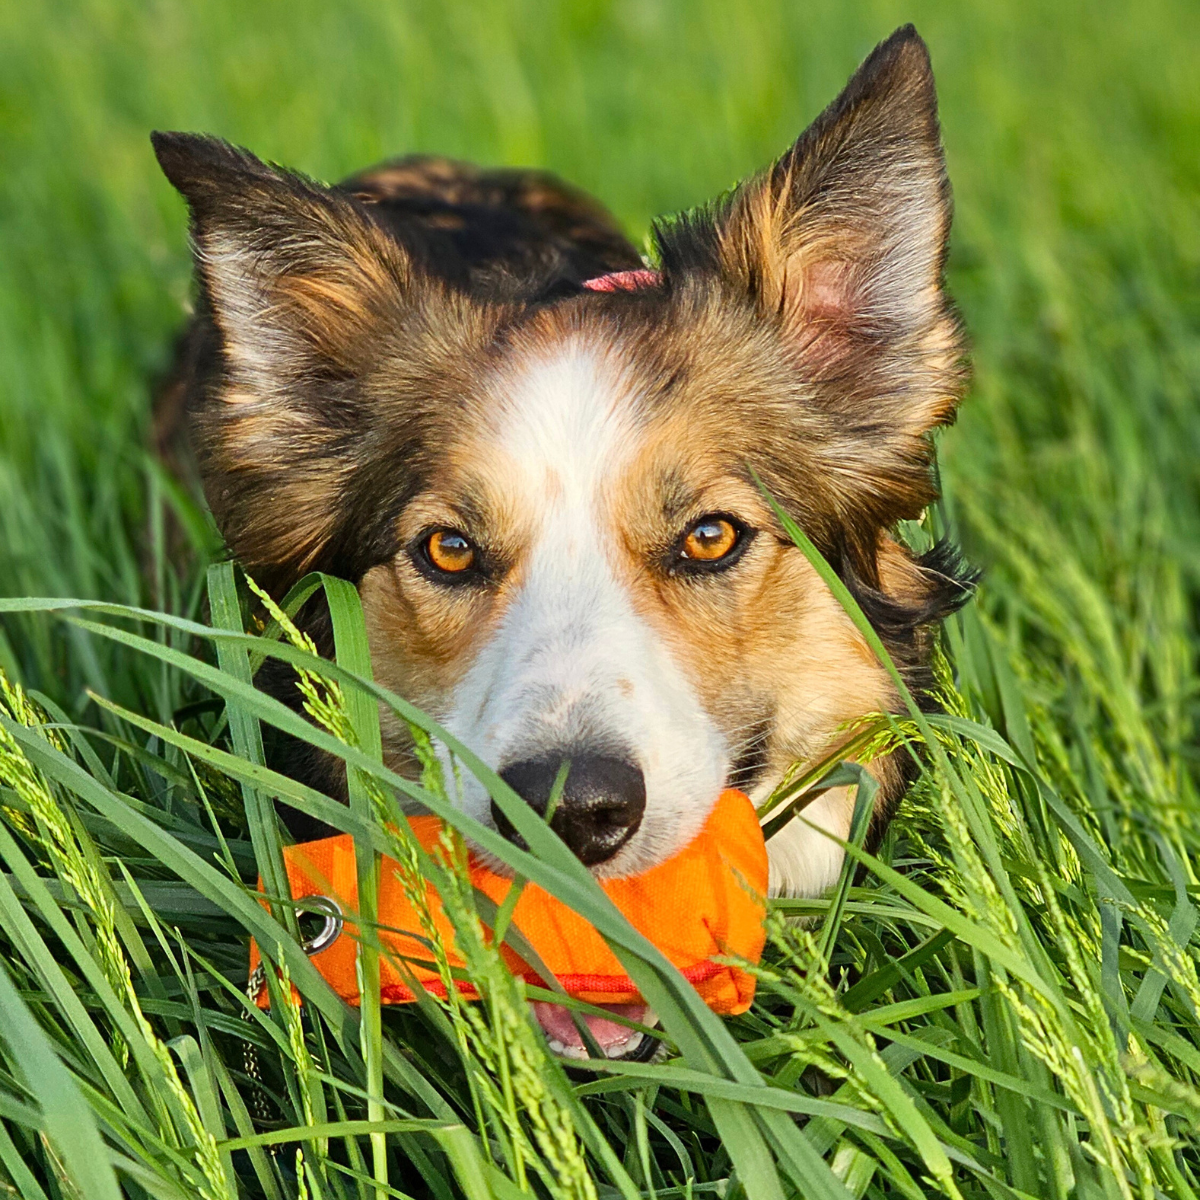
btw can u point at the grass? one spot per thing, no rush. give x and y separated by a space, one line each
1003 1003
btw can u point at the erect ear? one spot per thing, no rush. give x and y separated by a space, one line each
302 290
294 274
841 246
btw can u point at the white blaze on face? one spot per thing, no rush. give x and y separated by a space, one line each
572 667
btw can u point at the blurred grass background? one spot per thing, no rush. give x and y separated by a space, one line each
1072 133
1073 138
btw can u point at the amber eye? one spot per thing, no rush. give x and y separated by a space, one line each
449 551
710 539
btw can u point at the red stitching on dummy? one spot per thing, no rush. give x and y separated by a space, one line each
622 983
398 993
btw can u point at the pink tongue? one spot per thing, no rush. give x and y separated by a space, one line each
559 1025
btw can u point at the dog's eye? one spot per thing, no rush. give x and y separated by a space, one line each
712 543
449 551
710 539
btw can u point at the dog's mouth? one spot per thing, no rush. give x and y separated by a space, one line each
615 1039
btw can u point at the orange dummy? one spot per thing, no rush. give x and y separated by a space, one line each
706 901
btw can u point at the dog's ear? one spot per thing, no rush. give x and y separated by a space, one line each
841 246
302 289
294 274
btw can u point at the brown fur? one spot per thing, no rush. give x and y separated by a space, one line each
338 388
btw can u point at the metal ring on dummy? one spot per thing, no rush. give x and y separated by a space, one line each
331 930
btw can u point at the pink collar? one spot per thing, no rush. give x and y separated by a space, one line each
623 281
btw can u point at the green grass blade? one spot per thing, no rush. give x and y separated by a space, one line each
353 653
67 1119
247 739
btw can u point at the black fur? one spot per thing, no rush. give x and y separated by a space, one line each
501 234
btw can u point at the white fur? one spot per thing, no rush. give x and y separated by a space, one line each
572 664
260 349
803 861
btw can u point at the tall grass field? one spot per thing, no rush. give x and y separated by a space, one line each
1002 1002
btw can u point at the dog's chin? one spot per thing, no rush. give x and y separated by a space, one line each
614 1039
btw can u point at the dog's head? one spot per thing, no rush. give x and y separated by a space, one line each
548 505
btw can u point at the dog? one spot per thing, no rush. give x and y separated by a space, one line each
535 455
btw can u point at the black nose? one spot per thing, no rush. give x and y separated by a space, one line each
600 808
